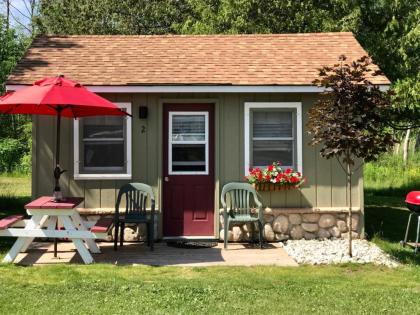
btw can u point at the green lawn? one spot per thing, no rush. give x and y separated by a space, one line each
101 289
108 289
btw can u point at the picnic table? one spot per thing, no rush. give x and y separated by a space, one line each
45 215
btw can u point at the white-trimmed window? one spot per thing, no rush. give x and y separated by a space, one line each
188 151
273 132
102 146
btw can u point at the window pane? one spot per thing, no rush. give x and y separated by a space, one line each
188 157
265 152
270 124
103 127
104 154
188 128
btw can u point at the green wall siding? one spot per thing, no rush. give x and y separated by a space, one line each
326 185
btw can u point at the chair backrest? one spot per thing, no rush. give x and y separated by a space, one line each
136 196
237 197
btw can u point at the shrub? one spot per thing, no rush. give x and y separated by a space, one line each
11 151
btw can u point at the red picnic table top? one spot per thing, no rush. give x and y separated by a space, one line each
46 202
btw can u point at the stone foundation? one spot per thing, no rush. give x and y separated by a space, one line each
284 224
132 232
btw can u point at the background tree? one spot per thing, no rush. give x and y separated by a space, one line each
388 29
63 17
349 122
14 131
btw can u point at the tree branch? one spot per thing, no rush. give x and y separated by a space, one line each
338 160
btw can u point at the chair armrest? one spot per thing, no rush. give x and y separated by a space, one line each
259 206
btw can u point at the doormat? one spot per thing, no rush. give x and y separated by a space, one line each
192 244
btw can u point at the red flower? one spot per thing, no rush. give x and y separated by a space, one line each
260 177
270 168
288 171
267 177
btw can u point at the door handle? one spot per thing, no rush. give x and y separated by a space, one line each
166 179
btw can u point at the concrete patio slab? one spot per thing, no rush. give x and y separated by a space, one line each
163 255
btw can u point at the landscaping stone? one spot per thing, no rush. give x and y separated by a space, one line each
310 227
222 221
281 224
222 235
346 235
297 232
268 232
282 237
326 221
295 219
342 216
268 211
237 234
355 222
315 252
335 232
311 217
323 234
309 236
342 226
130 234
268 218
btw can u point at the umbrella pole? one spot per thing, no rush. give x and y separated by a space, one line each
57 195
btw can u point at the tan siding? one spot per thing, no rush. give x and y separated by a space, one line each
45 147
339 194
326 182
309 191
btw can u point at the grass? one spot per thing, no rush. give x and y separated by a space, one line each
109 289
342 289
386 184
388 178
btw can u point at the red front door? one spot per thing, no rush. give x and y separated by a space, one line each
188 170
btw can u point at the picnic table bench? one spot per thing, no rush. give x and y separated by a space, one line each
44 216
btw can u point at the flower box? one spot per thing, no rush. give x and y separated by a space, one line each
273 178
270 187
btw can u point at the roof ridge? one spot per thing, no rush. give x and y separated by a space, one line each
198 35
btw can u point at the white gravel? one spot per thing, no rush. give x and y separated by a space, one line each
315 252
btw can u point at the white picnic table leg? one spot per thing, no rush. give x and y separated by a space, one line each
23 242
78 222
29 241
78 243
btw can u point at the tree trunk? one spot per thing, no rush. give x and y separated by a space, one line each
397 148
350 208
406 145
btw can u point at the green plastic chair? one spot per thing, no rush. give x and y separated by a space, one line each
136 196
237 204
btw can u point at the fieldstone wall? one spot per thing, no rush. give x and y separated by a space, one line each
296 224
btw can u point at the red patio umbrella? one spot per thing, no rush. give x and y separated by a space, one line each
57 96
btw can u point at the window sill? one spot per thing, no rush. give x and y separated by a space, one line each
101 176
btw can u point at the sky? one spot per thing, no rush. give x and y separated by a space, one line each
19 12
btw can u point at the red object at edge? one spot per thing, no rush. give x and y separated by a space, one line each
413 198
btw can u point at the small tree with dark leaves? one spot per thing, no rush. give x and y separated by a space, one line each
349 119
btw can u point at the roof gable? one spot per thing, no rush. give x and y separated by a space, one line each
97 60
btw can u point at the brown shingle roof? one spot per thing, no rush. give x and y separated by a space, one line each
283 59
